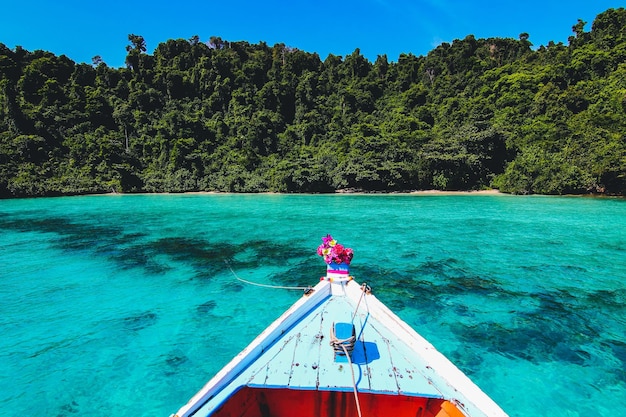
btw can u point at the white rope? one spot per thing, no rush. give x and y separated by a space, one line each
365 289
356 393
280 287
348 344
339 344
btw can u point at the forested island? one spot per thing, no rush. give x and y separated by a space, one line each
239 117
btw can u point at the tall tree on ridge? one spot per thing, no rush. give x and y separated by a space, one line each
134 51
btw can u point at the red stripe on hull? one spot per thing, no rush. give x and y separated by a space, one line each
283 402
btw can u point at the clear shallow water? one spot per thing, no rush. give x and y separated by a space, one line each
124 304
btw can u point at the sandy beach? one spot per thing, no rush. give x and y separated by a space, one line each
439 192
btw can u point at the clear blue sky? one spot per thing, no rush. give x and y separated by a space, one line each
82 29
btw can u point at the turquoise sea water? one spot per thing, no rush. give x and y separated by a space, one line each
125 304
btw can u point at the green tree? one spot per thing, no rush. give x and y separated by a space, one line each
136 48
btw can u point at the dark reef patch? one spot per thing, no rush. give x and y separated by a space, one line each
468 361
473 284
139 321
432 282
105 241
206 258
235 286
68 409
540 326
174 361
615 300
73 236
134 250
207 307
558 329
299 275
267 252
618 350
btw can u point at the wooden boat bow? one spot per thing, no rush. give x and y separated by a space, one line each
291 369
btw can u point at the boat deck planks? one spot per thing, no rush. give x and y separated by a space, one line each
293 361
389 357
306 361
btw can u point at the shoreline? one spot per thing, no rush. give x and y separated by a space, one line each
422 192
337 192
417 193
439 192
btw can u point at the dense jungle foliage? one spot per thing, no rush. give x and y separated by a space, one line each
234 116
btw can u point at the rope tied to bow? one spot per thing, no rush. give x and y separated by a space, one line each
345 345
